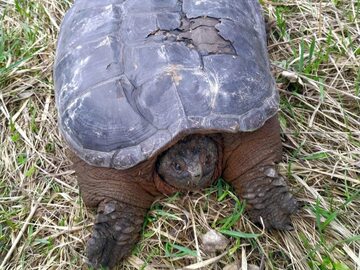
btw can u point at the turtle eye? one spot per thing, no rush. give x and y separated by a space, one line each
177 166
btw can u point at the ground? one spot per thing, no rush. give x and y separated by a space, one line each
314 47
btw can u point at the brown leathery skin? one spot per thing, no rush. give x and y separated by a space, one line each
250 166
122 197
134 186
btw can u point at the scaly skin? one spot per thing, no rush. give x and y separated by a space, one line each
116 231
269 200
250 166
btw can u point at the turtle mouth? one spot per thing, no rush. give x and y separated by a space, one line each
197 182
192 184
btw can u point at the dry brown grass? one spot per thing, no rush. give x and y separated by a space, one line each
44 224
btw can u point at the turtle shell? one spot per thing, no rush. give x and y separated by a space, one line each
132 76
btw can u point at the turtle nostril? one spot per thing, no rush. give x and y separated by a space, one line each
197 177
196 173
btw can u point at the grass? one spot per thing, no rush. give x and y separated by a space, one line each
315 54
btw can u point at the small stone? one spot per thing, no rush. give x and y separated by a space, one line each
213 241
253 267
25 95
232 266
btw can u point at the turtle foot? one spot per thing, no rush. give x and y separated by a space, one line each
275 215
116 231
270 201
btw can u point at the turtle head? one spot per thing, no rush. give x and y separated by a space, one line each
189 164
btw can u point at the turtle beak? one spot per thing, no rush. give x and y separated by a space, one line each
196 173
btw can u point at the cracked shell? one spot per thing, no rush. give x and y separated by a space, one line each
131 76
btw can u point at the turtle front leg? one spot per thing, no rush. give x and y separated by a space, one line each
116 231
122 199
250 166
268 197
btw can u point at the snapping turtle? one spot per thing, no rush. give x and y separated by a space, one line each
159 96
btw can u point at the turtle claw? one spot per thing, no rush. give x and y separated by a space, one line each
98 251
115 232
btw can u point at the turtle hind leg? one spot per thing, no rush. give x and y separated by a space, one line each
116 231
